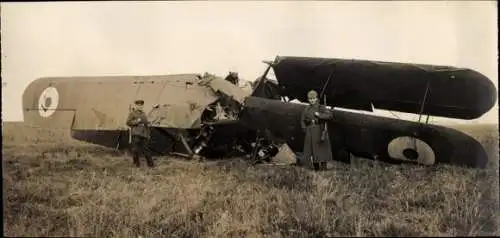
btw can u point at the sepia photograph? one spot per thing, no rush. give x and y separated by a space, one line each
250 119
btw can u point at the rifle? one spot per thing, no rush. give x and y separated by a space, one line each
325 128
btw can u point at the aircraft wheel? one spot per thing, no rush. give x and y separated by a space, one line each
411 149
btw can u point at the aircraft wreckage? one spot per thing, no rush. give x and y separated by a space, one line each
208 116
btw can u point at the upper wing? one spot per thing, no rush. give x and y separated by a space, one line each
357 84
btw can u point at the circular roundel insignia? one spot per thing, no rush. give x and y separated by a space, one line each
411 149
48 102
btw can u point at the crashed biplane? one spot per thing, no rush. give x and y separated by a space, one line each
206 115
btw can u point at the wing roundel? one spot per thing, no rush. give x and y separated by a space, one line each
48 101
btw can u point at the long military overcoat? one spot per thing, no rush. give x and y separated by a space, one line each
319 150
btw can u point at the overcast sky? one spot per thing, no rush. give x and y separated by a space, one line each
121 38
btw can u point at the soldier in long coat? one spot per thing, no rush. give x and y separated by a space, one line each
139 129
317 148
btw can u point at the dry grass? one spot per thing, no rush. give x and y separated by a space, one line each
60 187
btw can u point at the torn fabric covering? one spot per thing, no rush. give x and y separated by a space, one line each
176 116
225 87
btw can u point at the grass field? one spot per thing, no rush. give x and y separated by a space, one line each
54 186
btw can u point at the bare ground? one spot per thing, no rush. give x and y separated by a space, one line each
54 186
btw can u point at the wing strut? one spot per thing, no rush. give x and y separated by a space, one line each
186 146
414 139
262 78
423 102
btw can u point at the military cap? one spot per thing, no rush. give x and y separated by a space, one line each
312 94
139 102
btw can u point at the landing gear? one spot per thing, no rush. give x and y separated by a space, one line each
263 151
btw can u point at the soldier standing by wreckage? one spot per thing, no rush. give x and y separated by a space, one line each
317 148
139 130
